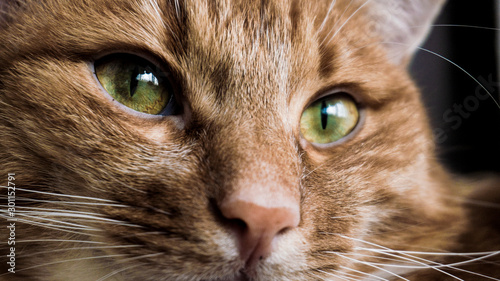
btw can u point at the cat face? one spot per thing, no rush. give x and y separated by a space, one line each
261 140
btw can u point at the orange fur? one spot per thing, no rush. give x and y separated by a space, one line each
245 70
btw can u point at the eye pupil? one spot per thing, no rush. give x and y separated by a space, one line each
134 81
324 115
329 119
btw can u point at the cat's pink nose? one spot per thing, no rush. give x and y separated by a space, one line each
259 222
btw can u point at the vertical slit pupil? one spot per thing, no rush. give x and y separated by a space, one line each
134 81
324 115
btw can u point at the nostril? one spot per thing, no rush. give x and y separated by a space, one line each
237 225
257 226
284 230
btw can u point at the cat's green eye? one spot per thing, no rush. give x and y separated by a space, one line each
135 83
329 119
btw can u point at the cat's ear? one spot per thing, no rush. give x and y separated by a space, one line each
402 24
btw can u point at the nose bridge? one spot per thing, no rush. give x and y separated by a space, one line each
265 157
263 193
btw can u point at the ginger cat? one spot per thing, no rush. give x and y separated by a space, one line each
226 140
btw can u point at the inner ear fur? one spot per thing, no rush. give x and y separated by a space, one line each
402 24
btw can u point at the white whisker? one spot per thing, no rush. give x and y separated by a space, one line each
404 258
62 224
82 248
117 271
330 8
80 217
363 273
317 276
335 275
438 265
371 265
432 253
53 227
62 195
56 240
422 265
65 261
446 59
425 264
25 199
335 25
473 202
466 72
348 19
374 256
462 25
142 257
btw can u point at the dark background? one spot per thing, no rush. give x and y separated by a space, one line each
474 145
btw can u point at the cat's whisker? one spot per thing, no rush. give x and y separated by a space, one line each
435 267
56 241
72 223
75 216
335 25
51 194
348 19
156 9
317 276
462 69
444 58
431 253
469 255
177 9
50 226
31 209
374 257
346 274
111 274
411 258
144 234
160 211
320 166
26 199
422 265
353 276
82 248
327 17
462 25
426 263
363 273
59 223
439 265
468 201
68 260
143 257
451 62
370 265
335 275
